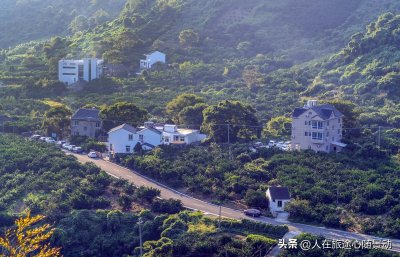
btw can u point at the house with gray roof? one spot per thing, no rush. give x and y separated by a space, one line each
317 127
86 122
278 197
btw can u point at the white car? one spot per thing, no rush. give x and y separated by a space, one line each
50 140
77 149
65 145
70 147
92 155
43 138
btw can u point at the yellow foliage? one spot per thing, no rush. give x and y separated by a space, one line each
202 228
24 240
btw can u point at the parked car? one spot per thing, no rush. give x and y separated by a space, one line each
36 137
65 145
252 212
60 143
70 147
77 149
271 143
50 140
43 138
92 155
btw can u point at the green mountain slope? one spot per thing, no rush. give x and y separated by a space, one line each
26 20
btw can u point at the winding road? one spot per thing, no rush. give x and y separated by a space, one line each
209 208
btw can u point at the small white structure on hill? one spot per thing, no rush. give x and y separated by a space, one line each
278 197
73 71
151 59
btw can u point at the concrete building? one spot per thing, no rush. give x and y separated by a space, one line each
73 71
278 197
151 59
317 127
86 122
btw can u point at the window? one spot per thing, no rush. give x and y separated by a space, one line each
85 128
166 139
128 148
327 123
317 135
338 131
327 133
176 138
76 122
141 137
280 204
130 137
309 122
306 134
97 124
339 120
317 124
306 123
182 139
326 148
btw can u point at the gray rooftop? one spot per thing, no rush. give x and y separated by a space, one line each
124 126
324 111
281 193
87 114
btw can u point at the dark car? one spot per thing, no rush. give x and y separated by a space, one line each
252 212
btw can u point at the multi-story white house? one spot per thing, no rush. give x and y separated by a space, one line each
317 127
73 71
151 59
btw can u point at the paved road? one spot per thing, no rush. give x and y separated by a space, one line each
196 204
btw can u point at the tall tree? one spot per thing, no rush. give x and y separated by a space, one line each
122 112
192 115
278 127
241 118
176 105
57 120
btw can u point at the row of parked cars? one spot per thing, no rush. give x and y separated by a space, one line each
61 143
285 146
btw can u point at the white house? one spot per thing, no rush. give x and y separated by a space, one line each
150 137
317 127
151 59
73 71
278 197
173 135
122 139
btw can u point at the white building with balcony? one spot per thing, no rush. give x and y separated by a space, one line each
317 127
73 71
151 59
173 135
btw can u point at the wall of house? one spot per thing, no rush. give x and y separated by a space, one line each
331 132
118 140
273 205
68 71
85 128
155 58
151 137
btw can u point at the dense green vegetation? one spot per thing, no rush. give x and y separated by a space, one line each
86 205
26 20
356 189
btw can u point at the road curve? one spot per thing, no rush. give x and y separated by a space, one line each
206 207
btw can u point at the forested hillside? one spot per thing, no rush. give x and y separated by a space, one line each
26 20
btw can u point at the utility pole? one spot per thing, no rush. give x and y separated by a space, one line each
140 236
379 137
229 141
219 218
